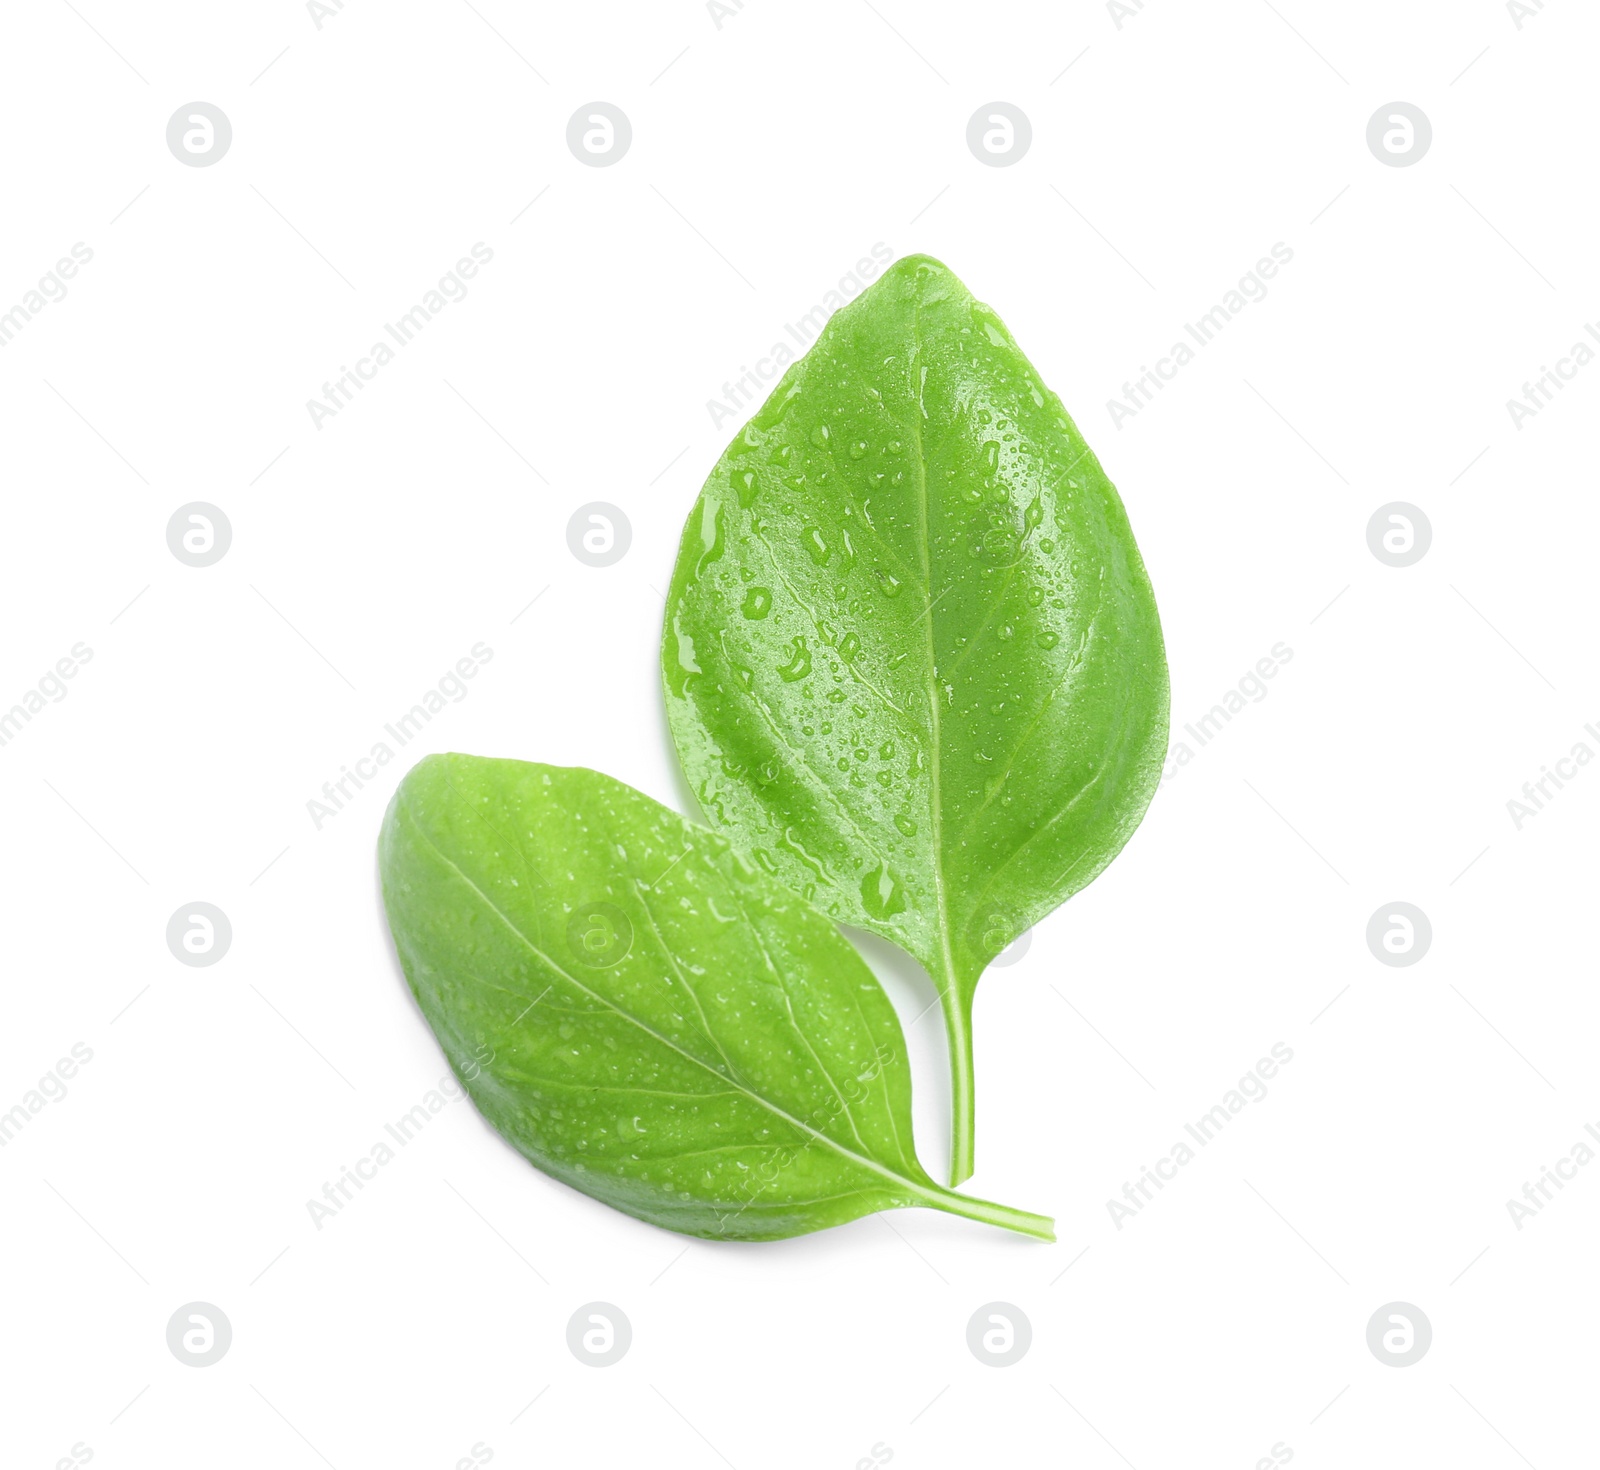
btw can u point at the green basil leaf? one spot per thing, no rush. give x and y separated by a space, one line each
645 1016
912 658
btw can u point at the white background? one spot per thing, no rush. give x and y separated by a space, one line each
768 155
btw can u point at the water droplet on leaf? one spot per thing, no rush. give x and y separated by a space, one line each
881 893
799 664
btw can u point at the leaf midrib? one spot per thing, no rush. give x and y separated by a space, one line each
925 551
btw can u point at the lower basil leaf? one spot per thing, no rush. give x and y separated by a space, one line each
644 1015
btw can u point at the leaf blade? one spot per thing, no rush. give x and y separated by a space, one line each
694 1097
911 654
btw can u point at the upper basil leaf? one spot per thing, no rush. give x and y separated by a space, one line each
642 1014
912 657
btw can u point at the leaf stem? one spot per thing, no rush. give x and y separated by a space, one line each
1040 1227
955 1001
